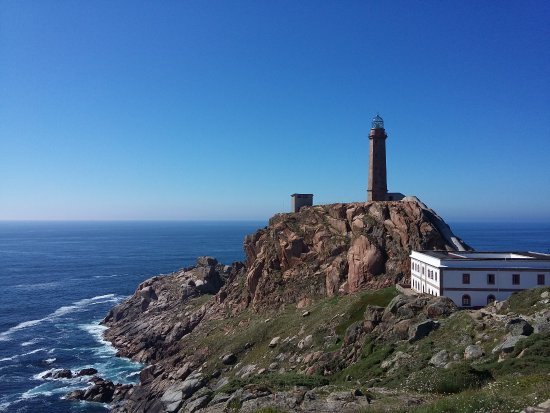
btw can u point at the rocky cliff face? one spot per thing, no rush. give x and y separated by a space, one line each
340 248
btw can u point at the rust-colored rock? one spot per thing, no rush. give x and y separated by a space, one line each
340 248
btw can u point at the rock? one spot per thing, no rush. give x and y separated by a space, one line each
101 392
330 341
148 294
87 372
421 330
542 323
306 342
398 360
473 352
274 341
75 395
173 397
229 359
364 247
545 294
440 306
305 314
273 366
221 382
440 359
59 374
353 332
219 398
207 262
198 403
192 384
519 327
508 345
246 371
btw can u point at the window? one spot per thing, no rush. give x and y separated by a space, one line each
490 278
540 279
466 302
490 299
435 276
465 278
515 279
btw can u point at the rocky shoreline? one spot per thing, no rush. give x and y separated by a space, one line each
310 322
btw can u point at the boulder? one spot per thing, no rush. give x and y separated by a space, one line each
439 359
440 306
207 261
353 332
193 383
306 342
508 345
274 341
473 352
229 359
519 327
193 405
148 294
421 330
59 374
75 395
173 397
90 371
541 323
101 392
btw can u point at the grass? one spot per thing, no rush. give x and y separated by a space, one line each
277 381
368 366
535 360
357 308
524 302
511 394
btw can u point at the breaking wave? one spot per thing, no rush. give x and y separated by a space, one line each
61 311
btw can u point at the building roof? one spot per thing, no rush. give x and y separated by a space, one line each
301 195
486 255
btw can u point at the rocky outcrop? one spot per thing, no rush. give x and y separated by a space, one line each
340 248
101 391
150 324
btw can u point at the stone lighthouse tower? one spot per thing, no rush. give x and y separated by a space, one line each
378 188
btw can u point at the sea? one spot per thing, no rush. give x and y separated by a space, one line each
59 279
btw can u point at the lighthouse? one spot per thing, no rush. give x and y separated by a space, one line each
378 187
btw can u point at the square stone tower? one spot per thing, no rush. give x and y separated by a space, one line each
300 200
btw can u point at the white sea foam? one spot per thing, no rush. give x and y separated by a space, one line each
108 276
50 361
4 407
32 342
40 376
16 356
37 286
61 311
96 331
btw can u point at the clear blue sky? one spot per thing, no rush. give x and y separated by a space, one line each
222 109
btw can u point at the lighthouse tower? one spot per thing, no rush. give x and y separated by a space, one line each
378 188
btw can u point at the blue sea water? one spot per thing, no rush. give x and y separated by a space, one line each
59 279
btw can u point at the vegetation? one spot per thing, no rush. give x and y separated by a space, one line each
482 385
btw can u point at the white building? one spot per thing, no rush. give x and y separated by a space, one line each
474 279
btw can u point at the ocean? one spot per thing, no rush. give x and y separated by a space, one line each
59 279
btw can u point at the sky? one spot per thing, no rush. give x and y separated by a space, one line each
219 110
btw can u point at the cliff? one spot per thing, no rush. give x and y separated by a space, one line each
306 325
340 248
